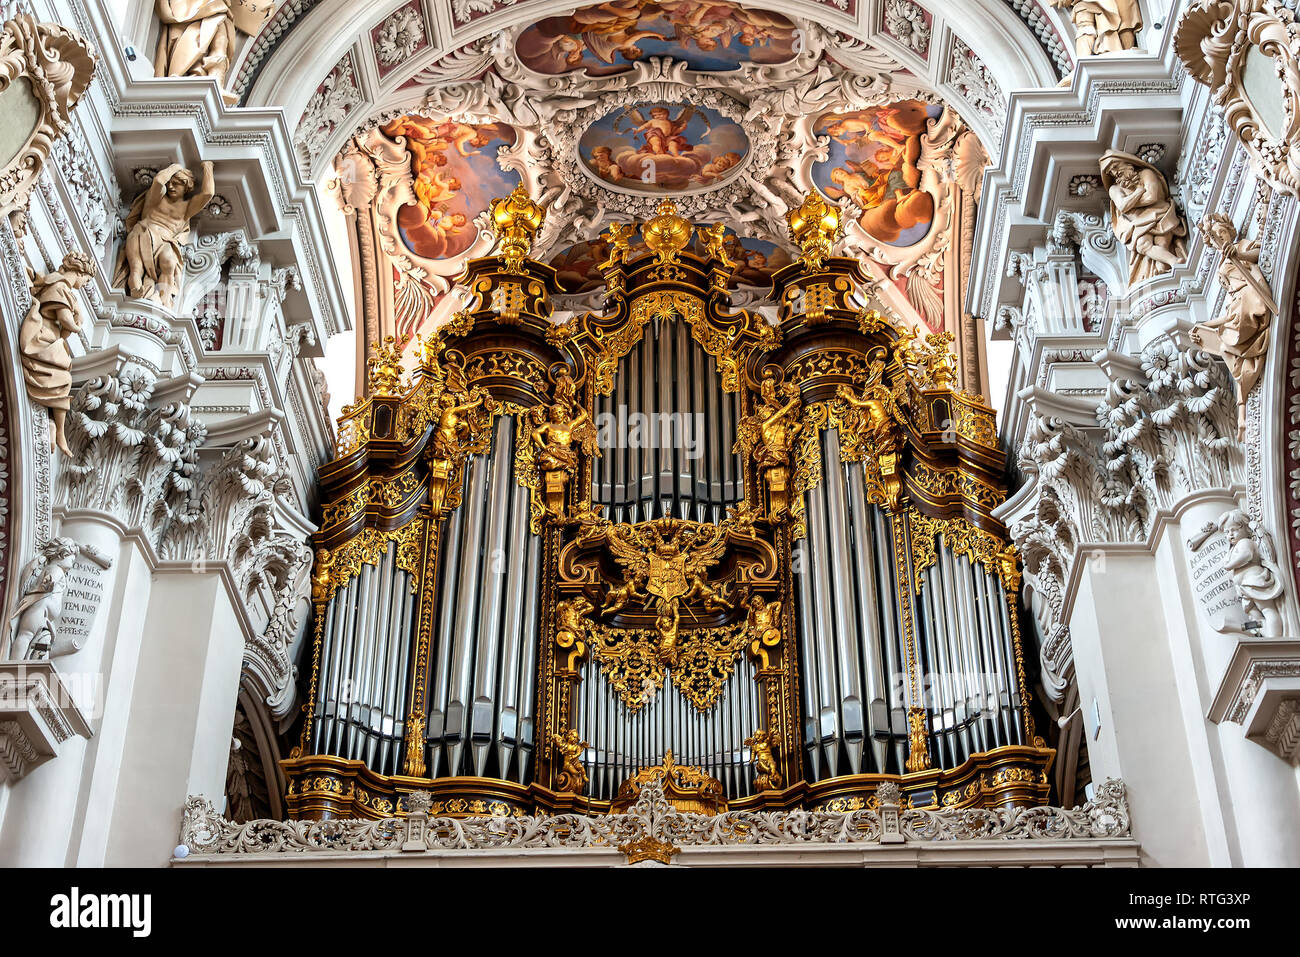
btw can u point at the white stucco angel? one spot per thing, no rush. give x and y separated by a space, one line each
151 263
197 37
1255 576
1143 215
39 610
1240 332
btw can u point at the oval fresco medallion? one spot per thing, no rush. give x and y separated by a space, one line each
873 160
577 267
456 177
664 147
607 37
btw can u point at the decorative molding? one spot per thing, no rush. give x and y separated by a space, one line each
654 824
44 70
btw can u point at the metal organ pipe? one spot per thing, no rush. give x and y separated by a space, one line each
361 704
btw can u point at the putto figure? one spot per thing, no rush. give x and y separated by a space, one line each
1259 587
1240 333
572 776
158 225
40 609
1143 215
1103 26
53 316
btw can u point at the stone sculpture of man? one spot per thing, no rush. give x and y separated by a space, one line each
158 226
1256 579
1240 333
1103 26
1143 215
197 37
53 316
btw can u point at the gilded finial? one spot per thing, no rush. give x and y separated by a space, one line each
667 233
516 219
384 368
814 226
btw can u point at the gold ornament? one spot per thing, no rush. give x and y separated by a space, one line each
667 234
572 777
814 226
516 219
766 776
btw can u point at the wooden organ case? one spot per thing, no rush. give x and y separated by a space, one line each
756 558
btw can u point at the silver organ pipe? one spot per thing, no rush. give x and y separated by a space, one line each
622 741
666 434
362 700
853 664
973 698
483 684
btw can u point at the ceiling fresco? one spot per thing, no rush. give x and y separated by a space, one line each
664 148
455 177
606 37
873 162
737 121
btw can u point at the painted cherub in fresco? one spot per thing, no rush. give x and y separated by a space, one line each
602 159
716 168
662 134
611 28
433 190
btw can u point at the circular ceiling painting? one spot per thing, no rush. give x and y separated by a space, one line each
873 160
608 37
664 148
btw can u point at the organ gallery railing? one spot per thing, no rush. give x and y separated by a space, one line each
758 552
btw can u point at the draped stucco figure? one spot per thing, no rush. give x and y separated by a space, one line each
151 263
197 37
1143 215
1240 332
1103 26
53 316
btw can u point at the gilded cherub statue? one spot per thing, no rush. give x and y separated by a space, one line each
565 422
770 433
53 316
151 263
572 776
766 775
571 621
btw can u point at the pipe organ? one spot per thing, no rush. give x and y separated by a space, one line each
754 553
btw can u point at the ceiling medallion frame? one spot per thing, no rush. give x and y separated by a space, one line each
675 87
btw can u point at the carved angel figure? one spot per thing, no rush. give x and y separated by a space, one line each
572 776
571 621
197 37
771 432
566 422
40 609
454 429
151 263
766 775
1143 215
764 620
53 316
1258 584
1240 333
1103 26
